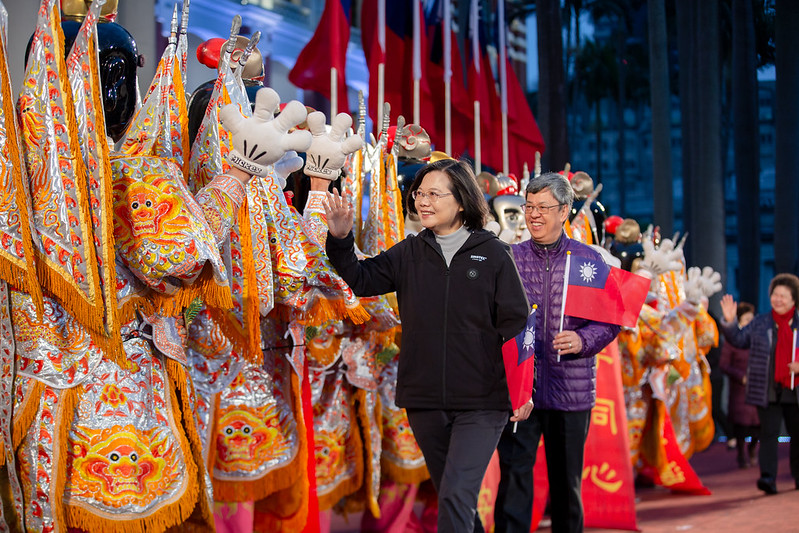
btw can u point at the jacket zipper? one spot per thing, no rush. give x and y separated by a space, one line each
543 382
446 318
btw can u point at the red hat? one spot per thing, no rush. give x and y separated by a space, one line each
612 224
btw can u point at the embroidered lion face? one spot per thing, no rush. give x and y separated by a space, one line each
247 439
330 453
398 439
123 466
157 230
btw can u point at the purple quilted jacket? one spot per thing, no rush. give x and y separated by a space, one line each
568 385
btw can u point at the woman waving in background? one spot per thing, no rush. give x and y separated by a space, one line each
771 377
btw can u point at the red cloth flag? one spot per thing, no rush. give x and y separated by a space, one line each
674 472
608 492
597 291
326 50
519 358
524 137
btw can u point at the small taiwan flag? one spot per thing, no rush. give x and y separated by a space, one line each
597 291
519 356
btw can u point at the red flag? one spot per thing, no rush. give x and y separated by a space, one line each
607 490
519 358
461 103
524 136
674 471
326 50
597 291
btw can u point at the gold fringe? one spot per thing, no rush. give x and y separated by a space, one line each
321 311
400 474
166 516
651 447
251 303
26 413
179 377
180 96
366 427
114 349
22 277
67 402
88 310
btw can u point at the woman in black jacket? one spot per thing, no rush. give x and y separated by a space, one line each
459 298
772 379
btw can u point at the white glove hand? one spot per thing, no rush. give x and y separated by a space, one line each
659 260
710 281
261 140
328 152
285 166
693 285
701 283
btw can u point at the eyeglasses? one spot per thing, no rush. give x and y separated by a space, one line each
543 209
432 195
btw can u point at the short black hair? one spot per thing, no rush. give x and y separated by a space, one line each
788 281
463 186
743 308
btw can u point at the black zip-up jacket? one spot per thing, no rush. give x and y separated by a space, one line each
454 319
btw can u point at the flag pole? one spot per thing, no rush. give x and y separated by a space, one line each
503 87
478 167
381 66
565 290
417 59
793 359
447 78
333 92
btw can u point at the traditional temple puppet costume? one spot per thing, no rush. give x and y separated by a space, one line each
689 399
107 440
651 364
285 273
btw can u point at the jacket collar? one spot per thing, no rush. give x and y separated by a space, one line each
557 246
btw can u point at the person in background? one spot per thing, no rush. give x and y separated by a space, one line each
565 369
743 417
771 376
460 298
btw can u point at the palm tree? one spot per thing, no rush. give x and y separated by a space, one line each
746 142
786 214
660 98
598 78
551 84
702 184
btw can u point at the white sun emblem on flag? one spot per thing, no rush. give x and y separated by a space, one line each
588 272
529 339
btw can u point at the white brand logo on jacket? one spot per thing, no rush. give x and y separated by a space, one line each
478 257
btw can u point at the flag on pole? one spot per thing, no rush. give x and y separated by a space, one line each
519 357
597 291
326 50
793 359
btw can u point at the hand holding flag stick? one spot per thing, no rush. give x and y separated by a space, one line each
518 354
793 359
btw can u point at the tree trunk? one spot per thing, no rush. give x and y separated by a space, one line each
685 49
598 133
746 144
786 202
705 188
621 103
660 99
551 85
